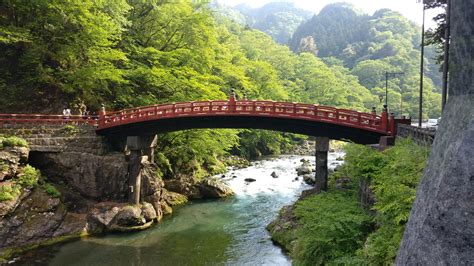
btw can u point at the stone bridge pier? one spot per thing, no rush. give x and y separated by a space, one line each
322 148
140 150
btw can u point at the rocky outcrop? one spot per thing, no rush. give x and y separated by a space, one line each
214 188
38 219
94 188
440 230
206 188
10 160
283 228
99 177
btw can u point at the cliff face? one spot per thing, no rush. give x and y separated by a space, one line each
91 183
440 230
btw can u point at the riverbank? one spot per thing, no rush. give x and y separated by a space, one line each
343 224
202 232
78 190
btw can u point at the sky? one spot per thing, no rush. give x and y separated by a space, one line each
408 8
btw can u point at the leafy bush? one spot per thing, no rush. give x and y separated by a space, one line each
12 142
394 175
51 190
29 176
395 189
9 191
70 130
333 225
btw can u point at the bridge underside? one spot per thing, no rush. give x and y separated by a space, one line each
310 128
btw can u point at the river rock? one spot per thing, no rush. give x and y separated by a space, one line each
304 169
214 188
340 158
148 211
250 180
130 216
166 209
173 199
309 179
155 201
274 175
104 213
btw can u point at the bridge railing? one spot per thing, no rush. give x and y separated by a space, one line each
242 108
34 119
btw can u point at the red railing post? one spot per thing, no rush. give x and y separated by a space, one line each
393 129
384 119
232 101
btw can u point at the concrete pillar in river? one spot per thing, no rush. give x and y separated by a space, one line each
141 150
322 148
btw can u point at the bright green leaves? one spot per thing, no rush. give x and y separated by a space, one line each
71 53
394 176
333 226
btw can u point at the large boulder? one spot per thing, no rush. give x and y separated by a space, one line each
214 188
130 216
173 199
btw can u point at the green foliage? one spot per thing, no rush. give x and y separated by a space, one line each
372 45
333 225
394 175
51 190
70 130
9 191
28 176
12 142
194 151
277 19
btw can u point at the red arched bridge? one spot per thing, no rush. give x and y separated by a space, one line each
308 119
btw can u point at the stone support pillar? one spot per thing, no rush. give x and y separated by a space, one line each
141 150
322 148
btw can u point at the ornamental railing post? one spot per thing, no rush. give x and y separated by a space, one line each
102 114
393 129
384 119
232 101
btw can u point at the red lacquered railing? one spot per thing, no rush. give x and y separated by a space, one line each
310 112
301 111
40 119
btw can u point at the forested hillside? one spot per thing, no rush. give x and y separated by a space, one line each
277 19
369 46
131 53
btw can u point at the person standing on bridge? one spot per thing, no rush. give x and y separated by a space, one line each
66 112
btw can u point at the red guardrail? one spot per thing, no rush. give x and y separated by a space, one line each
302 111
310 112
40 119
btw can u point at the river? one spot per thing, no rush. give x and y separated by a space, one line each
219 232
